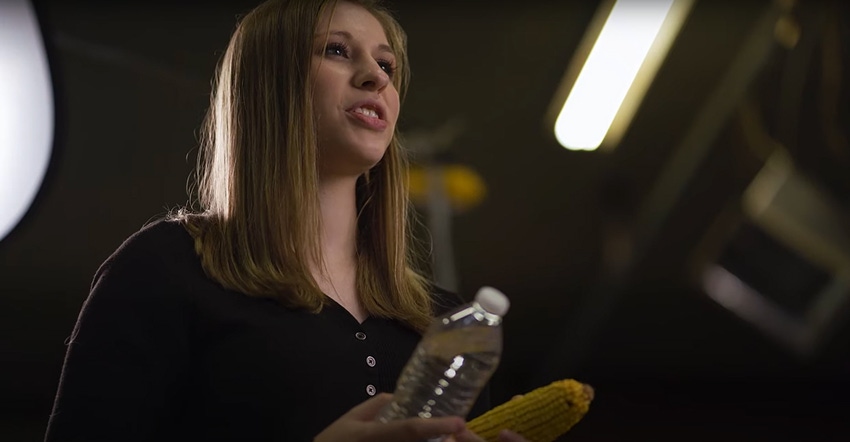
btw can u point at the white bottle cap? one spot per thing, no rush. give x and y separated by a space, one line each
492 300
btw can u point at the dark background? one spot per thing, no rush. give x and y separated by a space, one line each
554 231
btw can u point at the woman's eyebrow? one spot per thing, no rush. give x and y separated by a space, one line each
347 35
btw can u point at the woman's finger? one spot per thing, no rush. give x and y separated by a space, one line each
467 436
414 429
510 436
367 410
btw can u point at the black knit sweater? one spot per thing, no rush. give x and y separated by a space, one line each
161 352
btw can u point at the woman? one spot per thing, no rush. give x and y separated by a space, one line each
287 307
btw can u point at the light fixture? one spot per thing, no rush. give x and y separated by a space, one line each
26 111
612 69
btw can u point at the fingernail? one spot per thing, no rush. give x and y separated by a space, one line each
507 433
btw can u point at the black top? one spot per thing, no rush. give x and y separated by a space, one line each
162 352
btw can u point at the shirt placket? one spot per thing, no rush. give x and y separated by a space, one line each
370 364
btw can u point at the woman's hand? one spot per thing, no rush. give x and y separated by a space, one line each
504 435
468 436
359 425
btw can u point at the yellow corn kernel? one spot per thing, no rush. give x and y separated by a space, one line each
541 415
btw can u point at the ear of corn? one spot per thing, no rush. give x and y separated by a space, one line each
541 415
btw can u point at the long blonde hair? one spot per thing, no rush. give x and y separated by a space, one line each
257 175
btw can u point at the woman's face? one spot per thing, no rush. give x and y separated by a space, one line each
354 98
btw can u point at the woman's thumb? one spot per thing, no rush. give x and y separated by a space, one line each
369 409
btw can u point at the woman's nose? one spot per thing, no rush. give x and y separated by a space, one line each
371 77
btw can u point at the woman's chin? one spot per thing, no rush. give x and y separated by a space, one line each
353 167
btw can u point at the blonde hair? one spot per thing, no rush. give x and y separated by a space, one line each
257 175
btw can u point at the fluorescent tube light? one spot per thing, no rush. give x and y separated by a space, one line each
629 40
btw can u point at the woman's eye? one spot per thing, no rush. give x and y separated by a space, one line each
387 66
337 49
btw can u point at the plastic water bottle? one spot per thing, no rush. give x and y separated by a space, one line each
453 361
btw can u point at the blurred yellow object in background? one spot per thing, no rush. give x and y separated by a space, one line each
463 187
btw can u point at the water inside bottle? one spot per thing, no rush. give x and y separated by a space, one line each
445 374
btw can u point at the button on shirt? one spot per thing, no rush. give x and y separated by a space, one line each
374 380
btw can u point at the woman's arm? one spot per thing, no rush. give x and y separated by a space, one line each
125 358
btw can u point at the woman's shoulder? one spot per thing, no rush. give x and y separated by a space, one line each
160 236
158 242
159 233
147 274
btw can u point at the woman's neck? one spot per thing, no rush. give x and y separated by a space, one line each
338 205
337 276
